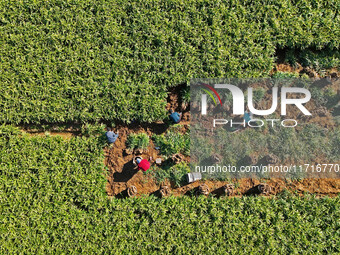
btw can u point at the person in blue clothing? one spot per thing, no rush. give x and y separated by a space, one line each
175 116
248 116
111 136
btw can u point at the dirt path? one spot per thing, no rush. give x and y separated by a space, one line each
122 172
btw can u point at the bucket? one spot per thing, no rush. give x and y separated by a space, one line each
191 177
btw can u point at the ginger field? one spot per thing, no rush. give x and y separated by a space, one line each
70 68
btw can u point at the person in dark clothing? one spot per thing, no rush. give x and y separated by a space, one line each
175 116
111 136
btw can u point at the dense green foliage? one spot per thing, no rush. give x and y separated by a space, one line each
291 146
173 172
138 141
318 60
53 201
179 226
82 60
173 142
50 169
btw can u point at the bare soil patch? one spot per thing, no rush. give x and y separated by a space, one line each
123 173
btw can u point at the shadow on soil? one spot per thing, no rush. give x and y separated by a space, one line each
129 170
218 192
123 194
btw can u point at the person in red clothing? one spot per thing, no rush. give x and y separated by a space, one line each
143 165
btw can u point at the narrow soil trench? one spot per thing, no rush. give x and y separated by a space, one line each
64 135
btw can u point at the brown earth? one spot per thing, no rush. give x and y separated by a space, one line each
122 172
330 187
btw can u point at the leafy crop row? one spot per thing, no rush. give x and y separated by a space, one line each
50 169
173 142
173 172
53 201
138 141
311 144
318 60
67 61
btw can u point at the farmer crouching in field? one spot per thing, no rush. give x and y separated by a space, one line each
111 136
143 164
248 116
175 117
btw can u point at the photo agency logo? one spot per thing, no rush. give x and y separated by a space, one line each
262 128
239 106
